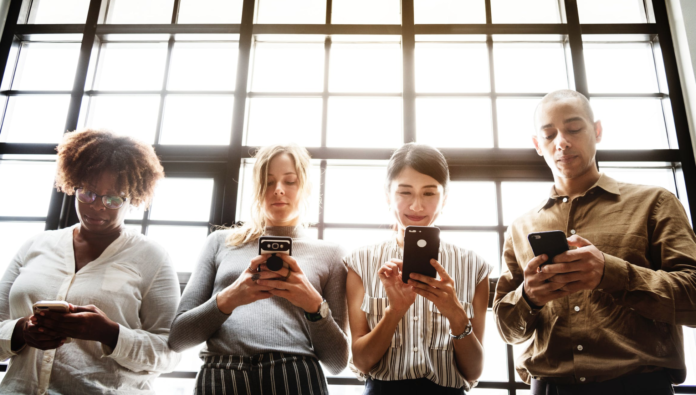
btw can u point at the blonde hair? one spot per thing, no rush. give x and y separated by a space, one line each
256 226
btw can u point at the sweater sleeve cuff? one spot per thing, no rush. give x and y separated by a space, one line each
124 344
615 277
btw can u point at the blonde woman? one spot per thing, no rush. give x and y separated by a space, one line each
267 331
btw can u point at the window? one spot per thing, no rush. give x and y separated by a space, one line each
207 81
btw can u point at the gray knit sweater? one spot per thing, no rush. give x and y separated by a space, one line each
267 325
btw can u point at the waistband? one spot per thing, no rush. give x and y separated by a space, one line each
653 381
255 362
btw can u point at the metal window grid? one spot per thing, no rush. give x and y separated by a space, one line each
222 163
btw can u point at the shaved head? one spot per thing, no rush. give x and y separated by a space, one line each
562 95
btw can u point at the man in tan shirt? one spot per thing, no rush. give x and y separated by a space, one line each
605 317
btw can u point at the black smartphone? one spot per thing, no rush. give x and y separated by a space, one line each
551 243
421 244
275 245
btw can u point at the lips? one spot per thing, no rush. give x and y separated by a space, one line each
566 158
91 220
279 204
415 218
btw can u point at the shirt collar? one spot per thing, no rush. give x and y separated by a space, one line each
604 182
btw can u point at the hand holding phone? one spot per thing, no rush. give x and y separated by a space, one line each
275 245
421 244
58 306
551 243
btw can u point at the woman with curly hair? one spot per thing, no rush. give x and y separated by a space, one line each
266 331
121 288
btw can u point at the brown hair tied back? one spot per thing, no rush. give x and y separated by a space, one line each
84 155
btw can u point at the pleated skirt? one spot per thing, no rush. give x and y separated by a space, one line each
265 374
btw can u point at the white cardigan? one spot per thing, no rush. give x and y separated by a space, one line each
133 282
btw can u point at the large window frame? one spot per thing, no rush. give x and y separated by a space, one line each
222 163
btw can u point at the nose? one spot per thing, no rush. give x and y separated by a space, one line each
416 205
98 204
279 189
561 142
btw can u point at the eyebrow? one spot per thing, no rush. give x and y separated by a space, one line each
286 174
569 120
410 186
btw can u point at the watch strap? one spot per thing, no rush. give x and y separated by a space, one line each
314 317
467 332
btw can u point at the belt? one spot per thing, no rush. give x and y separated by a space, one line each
657 383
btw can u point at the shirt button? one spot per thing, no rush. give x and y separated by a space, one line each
522 328
582 379
415 318
579 347
572 231
577 308
415 349
565 200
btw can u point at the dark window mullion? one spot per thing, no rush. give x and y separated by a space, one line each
576 47
408 44
234 156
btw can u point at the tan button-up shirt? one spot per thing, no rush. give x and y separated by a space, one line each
632 322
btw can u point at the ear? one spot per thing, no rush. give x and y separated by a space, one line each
535 140
598 131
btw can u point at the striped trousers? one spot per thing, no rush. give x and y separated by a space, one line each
266 374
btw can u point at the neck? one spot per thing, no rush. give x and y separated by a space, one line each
574 187
99 238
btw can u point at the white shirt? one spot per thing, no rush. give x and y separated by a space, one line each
132 282
421 346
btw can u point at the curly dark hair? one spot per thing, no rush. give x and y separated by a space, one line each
84 155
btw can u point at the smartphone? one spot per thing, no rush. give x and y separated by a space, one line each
421 244
275 245
550 243
52 305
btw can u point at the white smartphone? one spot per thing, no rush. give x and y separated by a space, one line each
52 305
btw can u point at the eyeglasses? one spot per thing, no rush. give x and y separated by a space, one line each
110 201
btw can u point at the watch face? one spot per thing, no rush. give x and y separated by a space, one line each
324 309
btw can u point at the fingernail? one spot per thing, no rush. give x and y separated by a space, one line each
42 313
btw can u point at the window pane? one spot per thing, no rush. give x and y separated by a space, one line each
210 11
381 12
46 66
495 363
246 192
365 68
190 361
352 239
521 197
182 199
690 355
291 11
365 204
516 122
488 391
452 68
211 125
449 11
288 67
107 112
471 204
631 123
283 120
58 11
529 11
140 11
170 386
26 199
35 119
364 122
661 177
614 11
485 244
183 243
118 71
518 69
454 122
203 66
620 68
345 389
12 236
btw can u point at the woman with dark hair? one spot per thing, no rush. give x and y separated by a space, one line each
120 287
425 336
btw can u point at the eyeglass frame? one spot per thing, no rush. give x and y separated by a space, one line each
125 198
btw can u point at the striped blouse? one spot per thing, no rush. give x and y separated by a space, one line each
421 346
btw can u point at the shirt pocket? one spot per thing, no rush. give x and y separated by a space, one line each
117 275
437 327
374 309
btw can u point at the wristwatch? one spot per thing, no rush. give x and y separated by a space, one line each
323 312
467 332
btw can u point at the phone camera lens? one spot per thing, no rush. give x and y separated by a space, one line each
275 246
